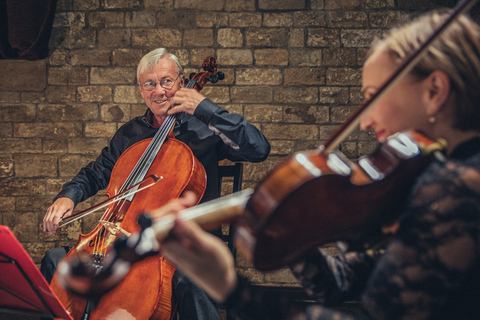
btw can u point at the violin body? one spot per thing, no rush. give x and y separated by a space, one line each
313 199
146 291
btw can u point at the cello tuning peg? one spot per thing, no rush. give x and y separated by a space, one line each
213 78
216 76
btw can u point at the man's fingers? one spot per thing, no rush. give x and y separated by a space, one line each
52 219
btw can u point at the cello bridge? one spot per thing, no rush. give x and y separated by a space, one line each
113 228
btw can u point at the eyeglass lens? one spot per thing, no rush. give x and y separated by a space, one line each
166 83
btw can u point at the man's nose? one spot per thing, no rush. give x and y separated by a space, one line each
159 89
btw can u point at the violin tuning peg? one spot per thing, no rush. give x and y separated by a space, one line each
82 265
220 75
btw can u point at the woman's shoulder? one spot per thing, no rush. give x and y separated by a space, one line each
448 188
463 173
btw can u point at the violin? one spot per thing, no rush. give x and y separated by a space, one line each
297 207
313 198
146 176
301 204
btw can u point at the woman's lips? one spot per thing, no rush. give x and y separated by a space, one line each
380 135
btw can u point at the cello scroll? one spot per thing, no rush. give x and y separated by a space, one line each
198 80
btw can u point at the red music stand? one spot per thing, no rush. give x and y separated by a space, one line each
23 289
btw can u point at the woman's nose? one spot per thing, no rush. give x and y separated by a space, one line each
366 122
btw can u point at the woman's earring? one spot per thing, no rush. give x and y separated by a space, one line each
432 119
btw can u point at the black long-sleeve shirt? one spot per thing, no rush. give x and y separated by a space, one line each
212 133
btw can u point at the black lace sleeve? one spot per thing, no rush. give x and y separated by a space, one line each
430 269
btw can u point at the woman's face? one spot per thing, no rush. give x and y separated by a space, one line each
401 108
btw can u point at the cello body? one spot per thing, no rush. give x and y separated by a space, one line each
146 292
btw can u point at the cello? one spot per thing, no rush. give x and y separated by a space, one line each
180 171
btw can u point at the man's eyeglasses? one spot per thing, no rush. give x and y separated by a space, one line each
166 83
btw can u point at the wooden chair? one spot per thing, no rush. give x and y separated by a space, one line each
235 172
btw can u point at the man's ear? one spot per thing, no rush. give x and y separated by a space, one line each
182 83
142 92
438 85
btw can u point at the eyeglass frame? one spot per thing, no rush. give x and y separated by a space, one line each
159 83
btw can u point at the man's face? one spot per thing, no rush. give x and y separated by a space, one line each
159 99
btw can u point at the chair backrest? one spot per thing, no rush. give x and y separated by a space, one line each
234 171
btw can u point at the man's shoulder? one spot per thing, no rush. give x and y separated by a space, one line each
139 121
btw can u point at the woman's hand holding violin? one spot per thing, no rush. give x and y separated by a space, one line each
201 256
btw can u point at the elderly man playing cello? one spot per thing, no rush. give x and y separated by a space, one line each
209 131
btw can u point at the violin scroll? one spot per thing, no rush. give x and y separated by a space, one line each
80 276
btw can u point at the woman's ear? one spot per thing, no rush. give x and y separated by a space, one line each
438 91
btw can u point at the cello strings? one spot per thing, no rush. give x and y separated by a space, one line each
145 162
139 172
143 165
141 169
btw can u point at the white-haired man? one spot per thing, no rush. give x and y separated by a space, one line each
212 133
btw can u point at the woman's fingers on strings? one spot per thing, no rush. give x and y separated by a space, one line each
174 206
188 233
189 198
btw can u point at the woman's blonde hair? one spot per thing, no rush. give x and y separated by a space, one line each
456 52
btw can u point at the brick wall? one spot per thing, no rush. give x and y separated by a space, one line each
292 68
